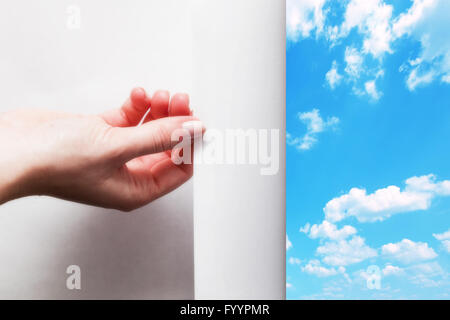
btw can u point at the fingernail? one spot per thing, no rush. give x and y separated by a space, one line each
195 128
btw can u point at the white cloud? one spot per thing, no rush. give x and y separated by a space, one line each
329 231
314 125
406 21
314 267
304 17
288 243
427 22
305 228
415 79
429 274
354 61
293 141
376 206
446 78
431 268
385 202
293 260
332 76
314 121
370 87
288 285
428 183
332 34
345 252
371 90
407 251
372 20
444 238
390 270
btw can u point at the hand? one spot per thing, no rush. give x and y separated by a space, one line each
102 160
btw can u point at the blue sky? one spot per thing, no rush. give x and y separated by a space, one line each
368 157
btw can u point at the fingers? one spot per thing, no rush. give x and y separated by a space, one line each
161 172
160 104
179 105
168 176
139 102
137 185
152 137
136 106
131 111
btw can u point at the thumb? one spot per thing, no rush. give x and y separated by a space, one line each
154 136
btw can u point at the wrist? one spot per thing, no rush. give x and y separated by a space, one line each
14 183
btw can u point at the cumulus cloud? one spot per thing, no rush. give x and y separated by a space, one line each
328 230
383 203
293 260
314 267
390 270
406 21
376 206
303 18
417 78
371 90
428 274
425 274
407 251
430 268
446 78
444 238
332 76
427 22
315 124
372 20
305 228
288 243
345 252
314 121
429 184
354 61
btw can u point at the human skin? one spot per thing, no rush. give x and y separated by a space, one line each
103 160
